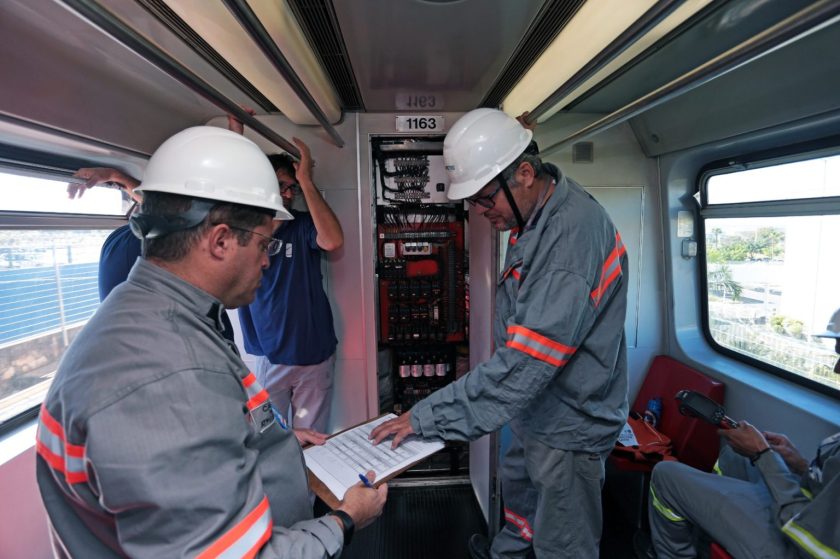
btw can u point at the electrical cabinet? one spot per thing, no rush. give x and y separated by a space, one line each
421 266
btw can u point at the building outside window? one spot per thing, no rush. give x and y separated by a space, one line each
49 258
772 265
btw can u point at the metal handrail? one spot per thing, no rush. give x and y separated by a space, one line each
257 31
118 29
797 26
625 40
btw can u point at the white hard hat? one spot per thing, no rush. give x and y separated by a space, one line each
216 164
478 146
832 330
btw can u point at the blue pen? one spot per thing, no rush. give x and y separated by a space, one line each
366 481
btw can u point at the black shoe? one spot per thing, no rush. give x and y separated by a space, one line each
479 547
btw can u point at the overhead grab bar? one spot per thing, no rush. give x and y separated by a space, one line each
257 31
108 22
797 26
625 40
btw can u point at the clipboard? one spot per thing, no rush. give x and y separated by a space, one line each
342 453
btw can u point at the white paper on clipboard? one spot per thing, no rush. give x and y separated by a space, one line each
339 461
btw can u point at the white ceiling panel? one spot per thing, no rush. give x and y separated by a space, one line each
454 49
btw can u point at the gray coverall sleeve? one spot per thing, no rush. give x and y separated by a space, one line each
177 464
814 525
551 318
784 487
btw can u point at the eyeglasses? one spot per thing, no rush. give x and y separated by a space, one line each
486 201
293 187
273 245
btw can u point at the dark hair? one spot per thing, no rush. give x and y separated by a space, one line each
531 156
176 245
282 161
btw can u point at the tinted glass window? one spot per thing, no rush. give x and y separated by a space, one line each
773 282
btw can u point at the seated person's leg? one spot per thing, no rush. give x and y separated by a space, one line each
736 466
735 513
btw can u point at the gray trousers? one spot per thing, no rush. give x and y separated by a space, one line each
306 388
552 502
734 509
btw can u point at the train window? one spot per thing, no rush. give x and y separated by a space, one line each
28 194
772 267
48 282
813 178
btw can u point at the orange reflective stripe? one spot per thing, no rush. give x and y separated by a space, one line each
537 354
258 400
257 395
539 338
246 537
513 270
538 346
52 446
610 270
524 527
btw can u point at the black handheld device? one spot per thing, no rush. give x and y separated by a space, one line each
694 404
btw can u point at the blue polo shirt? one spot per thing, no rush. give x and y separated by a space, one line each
119 253
290 321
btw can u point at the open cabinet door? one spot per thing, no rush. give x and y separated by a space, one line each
484 268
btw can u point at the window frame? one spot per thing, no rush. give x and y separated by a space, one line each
16 220
829 205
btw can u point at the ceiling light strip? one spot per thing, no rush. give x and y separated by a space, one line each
625 40
649 50
549 22
172 21
254 27
105 20
798 26
319 24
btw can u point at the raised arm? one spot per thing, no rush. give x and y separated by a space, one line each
95 176
330 236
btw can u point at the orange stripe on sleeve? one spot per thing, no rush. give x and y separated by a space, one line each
232 536
537 354
539 338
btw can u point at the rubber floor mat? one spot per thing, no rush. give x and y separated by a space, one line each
432 522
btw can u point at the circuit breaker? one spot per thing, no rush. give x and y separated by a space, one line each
421 265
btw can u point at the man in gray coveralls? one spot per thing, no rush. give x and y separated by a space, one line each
155 440
765 499
559 372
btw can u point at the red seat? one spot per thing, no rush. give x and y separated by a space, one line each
694 441
717 552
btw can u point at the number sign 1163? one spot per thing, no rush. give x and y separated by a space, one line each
415 123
